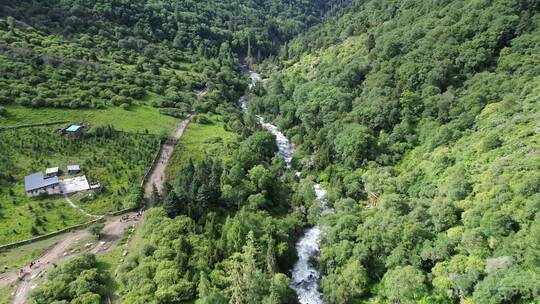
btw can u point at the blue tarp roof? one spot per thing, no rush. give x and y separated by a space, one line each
36 181
73 128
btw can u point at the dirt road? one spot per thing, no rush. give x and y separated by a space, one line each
157 176
54 255
113 230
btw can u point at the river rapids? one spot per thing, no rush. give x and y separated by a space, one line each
305 278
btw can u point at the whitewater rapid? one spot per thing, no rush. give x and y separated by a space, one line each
305 277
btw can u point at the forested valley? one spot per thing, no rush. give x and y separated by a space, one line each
430 110
420 119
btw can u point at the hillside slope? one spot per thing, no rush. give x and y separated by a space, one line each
430 109
92 54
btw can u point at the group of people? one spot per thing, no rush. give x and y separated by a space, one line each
127 217
23 272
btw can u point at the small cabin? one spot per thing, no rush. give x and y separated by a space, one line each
73 131
73 169
50 172
96 187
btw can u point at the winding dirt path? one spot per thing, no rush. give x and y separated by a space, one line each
113 230
70 202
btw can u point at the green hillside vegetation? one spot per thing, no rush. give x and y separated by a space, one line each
107 54
98 54
434 108
203 137
420 118
116 160
40 69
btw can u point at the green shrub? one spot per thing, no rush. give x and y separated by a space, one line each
77 281
172 112
490 142
203 119
213 140
96 230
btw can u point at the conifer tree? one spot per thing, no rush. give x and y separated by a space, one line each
271 257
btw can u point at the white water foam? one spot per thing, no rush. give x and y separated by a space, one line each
305 277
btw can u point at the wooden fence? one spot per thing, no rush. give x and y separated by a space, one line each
33 125
49 235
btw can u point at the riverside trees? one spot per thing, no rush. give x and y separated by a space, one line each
223 234
428 106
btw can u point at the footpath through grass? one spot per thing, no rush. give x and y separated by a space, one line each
198 140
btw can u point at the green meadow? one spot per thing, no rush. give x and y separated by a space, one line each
138 118
5 294
199 140
22 218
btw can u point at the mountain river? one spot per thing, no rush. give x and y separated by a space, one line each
305 278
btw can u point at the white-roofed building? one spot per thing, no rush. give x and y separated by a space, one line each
53 171
73 169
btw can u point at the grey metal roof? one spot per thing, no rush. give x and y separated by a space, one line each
73 168
36 181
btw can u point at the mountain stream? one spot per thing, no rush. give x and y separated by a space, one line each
305 278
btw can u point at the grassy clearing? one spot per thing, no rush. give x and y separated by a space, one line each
23 218
5 295
137 119
198 140
118 161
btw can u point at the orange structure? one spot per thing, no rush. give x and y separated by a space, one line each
374 200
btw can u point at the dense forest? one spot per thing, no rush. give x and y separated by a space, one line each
420 118
431 109
230 236
93 54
